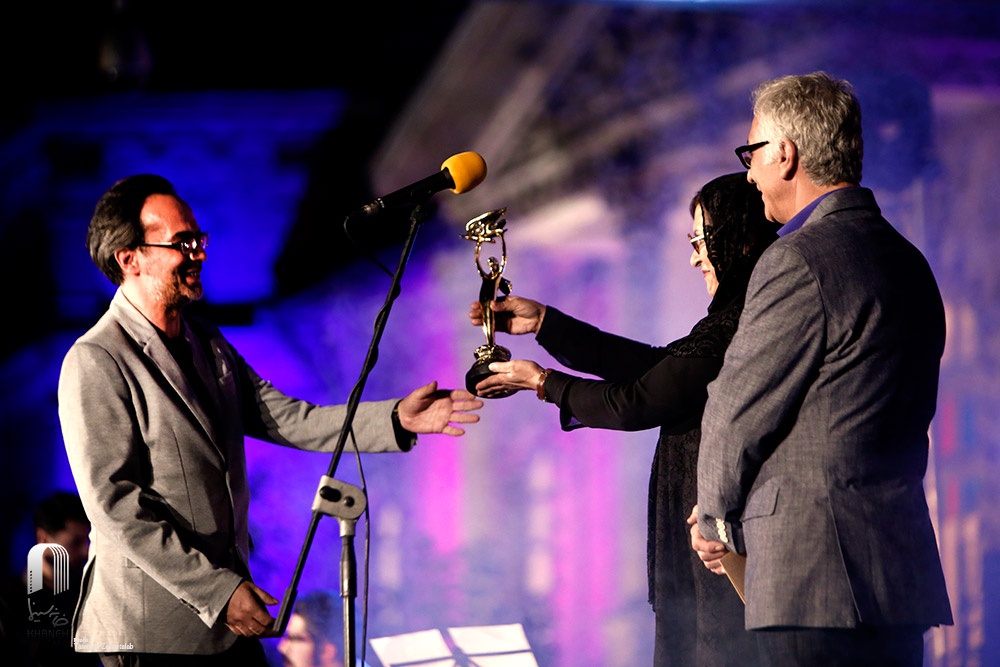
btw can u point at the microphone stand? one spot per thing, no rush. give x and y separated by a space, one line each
344 501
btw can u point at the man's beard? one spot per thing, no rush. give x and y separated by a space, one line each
174 293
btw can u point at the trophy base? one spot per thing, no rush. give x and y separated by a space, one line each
486 355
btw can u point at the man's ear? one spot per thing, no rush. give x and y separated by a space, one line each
788 159
128 261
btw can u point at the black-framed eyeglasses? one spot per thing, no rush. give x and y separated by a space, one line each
189 246
745 153
696 241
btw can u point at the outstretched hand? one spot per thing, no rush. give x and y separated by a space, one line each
709 551
514 315
432 410
517 375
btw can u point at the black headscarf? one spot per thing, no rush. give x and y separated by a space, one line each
736 233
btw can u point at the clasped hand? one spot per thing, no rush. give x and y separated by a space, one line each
709 551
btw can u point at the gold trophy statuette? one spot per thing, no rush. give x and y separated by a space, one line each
487 228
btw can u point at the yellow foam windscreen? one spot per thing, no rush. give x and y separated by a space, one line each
467 170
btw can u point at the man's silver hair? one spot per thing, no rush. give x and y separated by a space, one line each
821 116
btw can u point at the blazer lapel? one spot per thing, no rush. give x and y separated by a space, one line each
146 335
158 352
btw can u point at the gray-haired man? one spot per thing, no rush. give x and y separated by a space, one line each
814 439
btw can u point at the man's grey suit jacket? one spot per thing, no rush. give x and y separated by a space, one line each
814 439
163 477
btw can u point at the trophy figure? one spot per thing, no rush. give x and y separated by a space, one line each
487 228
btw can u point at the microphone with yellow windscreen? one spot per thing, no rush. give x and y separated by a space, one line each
459 173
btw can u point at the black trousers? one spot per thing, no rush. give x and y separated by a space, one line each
866 645
246 652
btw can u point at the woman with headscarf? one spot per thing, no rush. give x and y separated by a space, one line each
699 617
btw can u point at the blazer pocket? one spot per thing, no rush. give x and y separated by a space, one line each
761 502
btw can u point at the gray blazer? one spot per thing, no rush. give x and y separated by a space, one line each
814 439
163 477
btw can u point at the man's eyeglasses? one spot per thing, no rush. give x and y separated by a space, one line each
696 241
745 153
189 246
